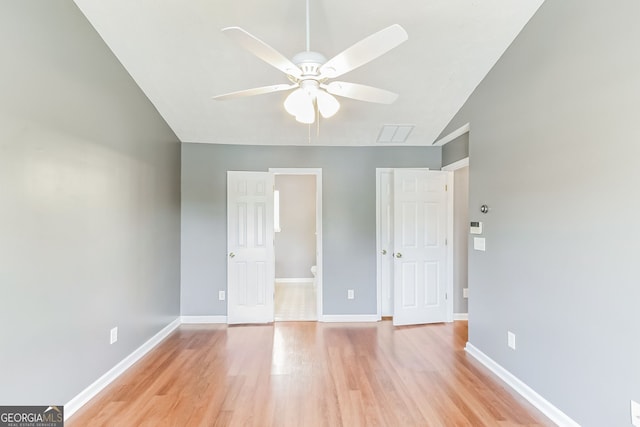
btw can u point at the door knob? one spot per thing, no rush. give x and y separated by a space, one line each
231 255
398 255
384 252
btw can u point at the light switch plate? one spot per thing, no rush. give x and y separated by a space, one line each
221 295
465 292
113 335
350 294
479 243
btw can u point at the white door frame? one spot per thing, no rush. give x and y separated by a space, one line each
318 174
450 199
451 168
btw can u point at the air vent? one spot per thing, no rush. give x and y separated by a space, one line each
394 133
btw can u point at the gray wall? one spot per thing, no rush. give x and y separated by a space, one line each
295 244
349 216
460 237
554 148
455 150
89 207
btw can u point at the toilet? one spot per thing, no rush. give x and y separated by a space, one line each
314 270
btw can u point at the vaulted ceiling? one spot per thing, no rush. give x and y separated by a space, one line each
176 53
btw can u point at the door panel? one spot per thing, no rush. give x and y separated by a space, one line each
420 215
250 258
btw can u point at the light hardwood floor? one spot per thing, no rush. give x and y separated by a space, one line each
309 374
295 301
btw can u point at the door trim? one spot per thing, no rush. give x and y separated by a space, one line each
450 250
318 174
379 172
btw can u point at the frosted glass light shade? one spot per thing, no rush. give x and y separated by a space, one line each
327 104
298 103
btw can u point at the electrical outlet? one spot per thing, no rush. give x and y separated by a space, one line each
511 340
221 295
465 292
635 413
350 294
114 335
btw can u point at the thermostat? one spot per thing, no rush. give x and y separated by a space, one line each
476 227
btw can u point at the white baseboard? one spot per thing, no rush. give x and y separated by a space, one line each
546 407
87 394
332 318
300 280
188 320
460 316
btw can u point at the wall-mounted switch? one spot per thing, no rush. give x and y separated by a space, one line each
221 295
475 227
350 294
465 292
113 336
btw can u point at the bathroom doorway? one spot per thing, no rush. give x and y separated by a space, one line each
297 243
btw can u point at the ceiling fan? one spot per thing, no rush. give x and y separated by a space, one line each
309 72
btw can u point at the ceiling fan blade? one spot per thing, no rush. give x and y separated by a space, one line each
254 91
360 92
262 50
364 51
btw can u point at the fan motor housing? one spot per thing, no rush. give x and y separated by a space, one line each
309 62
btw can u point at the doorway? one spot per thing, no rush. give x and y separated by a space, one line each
297 244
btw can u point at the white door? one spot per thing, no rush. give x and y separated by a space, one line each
420 252
250 255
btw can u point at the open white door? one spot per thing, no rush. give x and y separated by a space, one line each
250 267
420 251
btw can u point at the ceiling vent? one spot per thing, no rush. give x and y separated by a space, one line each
394 133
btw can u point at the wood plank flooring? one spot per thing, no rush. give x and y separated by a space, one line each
309 374
295 301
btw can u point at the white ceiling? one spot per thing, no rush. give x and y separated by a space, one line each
175 51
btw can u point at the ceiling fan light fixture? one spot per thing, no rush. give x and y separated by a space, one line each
300 105
328 105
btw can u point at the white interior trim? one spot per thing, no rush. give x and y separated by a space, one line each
457 165
450 244
347 318
98 385
192 320
318 173
546 407
460 316
453 135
